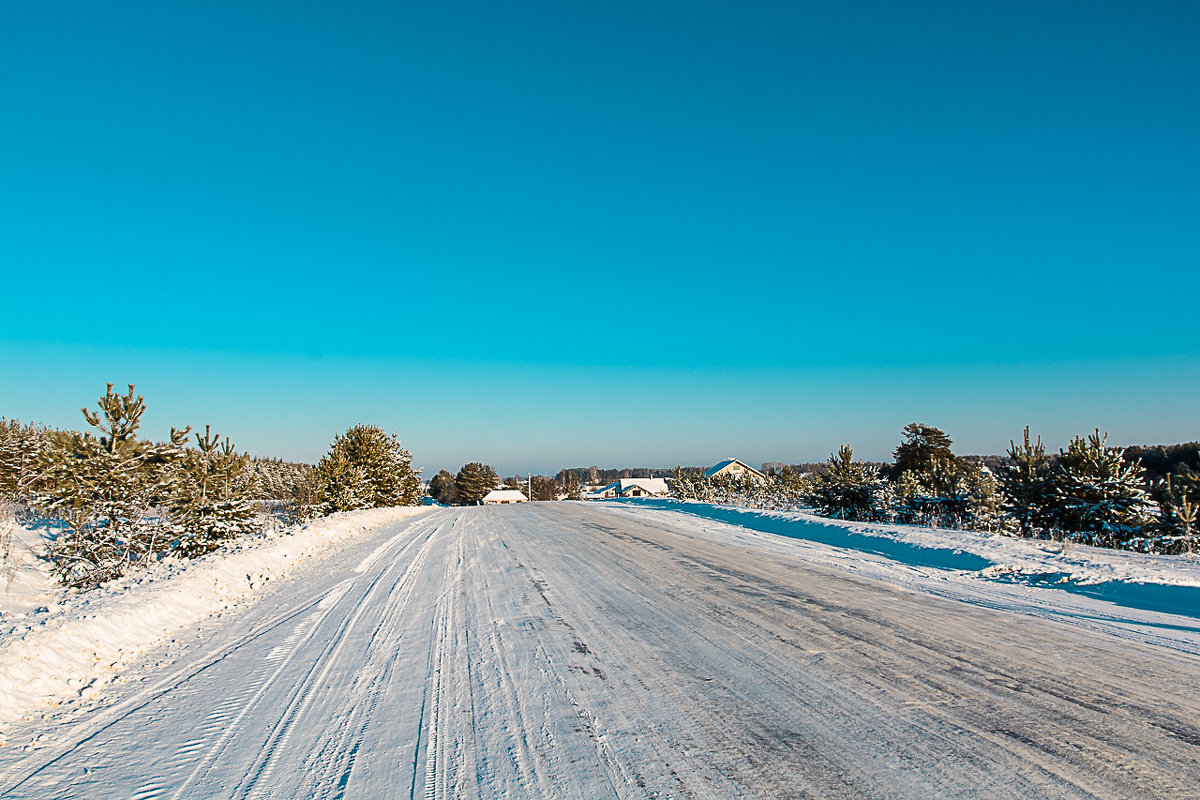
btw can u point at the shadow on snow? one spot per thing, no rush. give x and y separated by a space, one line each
1160 597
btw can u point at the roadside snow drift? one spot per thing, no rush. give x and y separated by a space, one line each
73 647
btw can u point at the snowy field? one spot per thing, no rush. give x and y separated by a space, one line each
607 650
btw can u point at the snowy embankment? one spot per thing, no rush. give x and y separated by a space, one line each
1148 597
73 643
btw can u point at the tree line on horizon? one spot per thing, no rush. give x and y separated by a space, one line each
122 502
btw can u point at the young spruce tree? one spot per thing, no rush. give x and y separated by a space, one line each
1028 486
1098 497
847 489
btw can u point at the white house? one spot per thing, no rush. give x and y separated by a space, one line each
631 487
734 468
498 497
642 487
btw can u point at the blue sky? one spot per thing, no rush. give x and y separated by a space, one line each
548 234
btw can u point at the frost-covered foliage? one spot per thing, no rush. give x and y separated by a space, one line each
287 490
848 489
106 489
1098 497
20 447
1028 483
366 468
1090 493
948 493
1179 499
123 502
786 489
214 497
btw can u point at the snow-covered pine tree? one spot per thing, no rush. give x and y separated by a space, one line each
848 489
214 498
1028 486
20 447
341 485
937 494
367 468
1179 498
689 483
922 446
105 490
790 487
1098 497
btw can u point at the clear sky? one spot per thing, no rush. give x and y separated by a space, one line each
546 234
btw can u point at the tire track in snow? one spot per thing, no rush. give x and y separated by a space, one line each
305 691
100 720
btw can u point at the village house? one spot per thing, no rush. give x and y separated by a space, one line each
631 487
735 469
498 497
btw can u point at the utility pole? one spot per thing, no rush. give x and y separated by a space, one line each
529 475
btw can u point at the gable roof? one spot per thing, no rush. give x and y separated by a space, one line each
720 465
652 485
505 494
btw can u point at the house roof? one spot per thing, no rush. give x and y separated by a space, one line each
720 465
652 485
505 494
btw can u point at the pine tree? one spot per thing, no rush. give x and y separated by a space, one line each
689 483
367 468
922 447
214 497
848 489
1028 486
105 490
442 489
545 489
474 481
1098 497
1179 498
341 484
20 448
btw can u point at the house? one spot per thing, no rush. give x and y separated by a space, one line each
631 487
642 487
734 469
498 497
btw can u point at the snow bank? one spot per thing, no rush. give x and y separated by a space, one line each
1166 584
77 641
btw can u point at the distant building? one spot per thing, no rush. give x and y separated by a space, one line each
734 468
498 497
631 487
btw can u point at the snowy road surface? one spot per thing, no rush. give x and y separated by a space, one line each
577 651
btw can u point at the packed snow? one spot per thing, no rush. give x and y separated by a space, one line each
1154 598
603 650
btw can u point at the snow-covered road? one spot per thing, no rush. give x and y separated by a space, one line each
564 650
